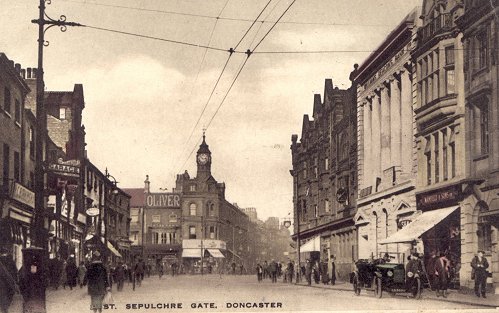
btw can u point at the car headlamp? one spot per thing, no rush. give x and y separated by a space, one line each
410 274
389 273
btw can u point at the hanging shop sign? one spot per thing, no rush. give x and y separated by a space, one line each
93 211
70 168
23 195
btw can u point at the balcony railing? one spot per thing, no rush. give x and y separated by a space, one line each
438 25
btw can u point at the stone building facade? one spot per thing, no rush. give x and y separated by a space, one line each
479 25
386 159
324 180
443 187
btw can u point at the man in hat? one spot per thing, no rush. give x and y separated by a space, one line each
98 283
33 280
479 265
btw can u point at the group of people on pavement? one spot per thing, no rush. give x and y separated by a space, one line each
319 272
274 270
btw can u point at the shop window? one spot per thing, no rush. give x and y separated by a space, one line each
192 209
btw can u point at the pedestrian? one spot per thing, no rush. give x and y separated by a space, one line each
324 272
265 270
290 272
160 269
63 275
259 272
119 276
139 271
8 281
33 281
412 268
233 266
82 274
308 272
479 272
97 282
273 271
431 269
333 270
71 272
315 272
55 271
241 268
442 275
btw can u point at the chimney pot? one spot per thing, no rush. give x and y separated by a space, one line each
34 73
18 68
29 72
23 73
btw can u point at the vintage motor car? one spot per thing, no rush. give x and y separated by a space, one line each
382 274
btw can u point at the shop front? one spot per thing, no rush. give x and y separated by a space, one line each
16 220
206 255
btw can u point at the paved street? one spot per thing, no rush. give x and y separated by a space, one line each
210 293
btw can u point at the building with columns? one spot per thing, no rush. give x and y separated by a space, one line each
479 25
386 148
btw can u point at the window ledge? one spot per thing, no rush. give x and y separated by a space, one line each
7 113
18 124
480 157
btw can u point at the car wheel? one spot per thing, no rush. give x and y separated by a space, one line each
378 292
416 288
356 287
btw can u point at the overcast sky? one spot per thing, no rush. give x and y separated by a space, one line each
143 96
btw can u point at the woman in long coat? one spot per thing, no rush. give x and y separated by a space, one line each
97 282
82 273
442 265
71 273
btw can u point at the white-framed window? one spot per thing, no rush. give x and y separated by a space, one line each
172 218
192 232
327 209
156 218
192 188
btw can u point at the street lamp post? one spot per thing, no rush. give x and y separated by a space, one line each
41 121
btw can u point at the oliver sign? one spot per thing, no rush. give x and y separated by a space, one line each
163 200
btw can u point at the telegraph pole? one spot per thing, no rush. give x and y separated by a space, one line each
40 235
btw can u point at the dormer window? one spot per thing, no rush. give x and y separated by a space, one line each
192 188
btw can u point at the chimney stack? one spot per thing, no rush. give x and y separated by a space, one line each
18 68
147 185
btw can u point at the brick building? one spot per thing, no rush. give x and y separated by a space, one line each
324 179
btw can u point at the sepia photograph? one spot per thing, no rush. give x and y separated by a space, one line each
249 156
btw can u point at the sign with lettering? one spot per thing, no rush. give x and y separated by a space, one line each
163 200
440 197
70 168
23 195
207 244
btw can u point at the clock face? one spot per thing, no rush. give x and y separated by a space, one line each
203 158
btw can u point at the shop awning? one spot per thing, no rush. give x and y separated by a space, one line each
111 248
191 253
216 253
312 245
419 226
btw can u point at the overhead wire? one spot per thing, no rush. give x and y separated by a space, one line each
197 75
231 50
220 17
249 52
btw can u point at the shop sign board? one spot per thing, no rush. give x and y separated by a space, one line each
23 195
442 197
163 200
207 244
70 168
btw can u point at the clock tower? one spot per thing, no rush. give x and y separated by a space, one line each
203 159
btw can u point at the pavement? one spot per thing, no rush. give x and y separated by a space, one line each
454 296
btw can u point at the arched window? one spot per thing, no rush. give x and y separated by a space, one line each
193 209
